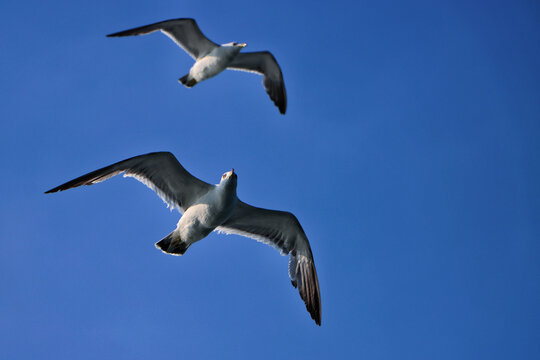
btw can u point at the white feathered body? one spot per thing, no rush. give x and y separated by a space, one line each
212 64
210 211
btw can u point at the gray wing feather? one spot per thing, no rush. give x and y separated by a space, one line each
160 171
281 230
265 64
184 32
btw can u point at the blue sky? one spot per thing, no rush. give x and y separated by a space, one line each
409 153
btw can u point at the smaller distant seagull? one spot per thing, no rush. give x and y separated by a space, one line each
208 208
211 58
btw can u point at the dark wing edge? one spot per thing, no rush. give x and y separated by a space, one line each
184 32
148 169
304 277
264 63
142 30
283 231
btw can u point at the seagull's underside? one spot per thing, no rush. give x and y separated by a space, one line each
209 207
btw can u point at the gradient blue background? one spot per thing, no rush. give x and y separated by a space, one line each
409 153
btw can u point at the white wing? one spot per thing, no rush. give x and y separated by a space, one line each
282 231
159 171
184 32
265 64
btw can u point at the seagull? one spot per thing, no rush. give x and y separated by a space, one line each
211 58
206 208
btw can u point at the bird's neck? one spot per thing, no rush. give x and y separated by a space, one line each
227 189
228 51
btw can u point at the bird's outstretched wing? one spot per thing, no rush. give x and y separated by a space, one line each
282 231
184 32
160 171
265 64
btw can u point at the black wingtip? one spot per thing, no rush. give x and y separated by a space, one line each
283 104
316 315
117 34
122 33
308 287
56 189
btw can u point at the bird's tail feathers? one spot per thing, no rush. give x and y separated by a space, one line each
187 82
172 244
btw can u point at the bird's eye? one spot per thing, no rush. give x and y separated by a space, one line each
234 44
223 176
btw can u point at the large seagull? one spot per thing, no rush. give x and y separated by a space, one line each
208 208
211 58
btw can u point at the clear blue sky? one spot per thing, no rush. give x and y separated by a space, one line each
409 153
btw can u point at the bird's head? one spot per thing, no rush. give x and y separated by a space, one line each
229 178
239 46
